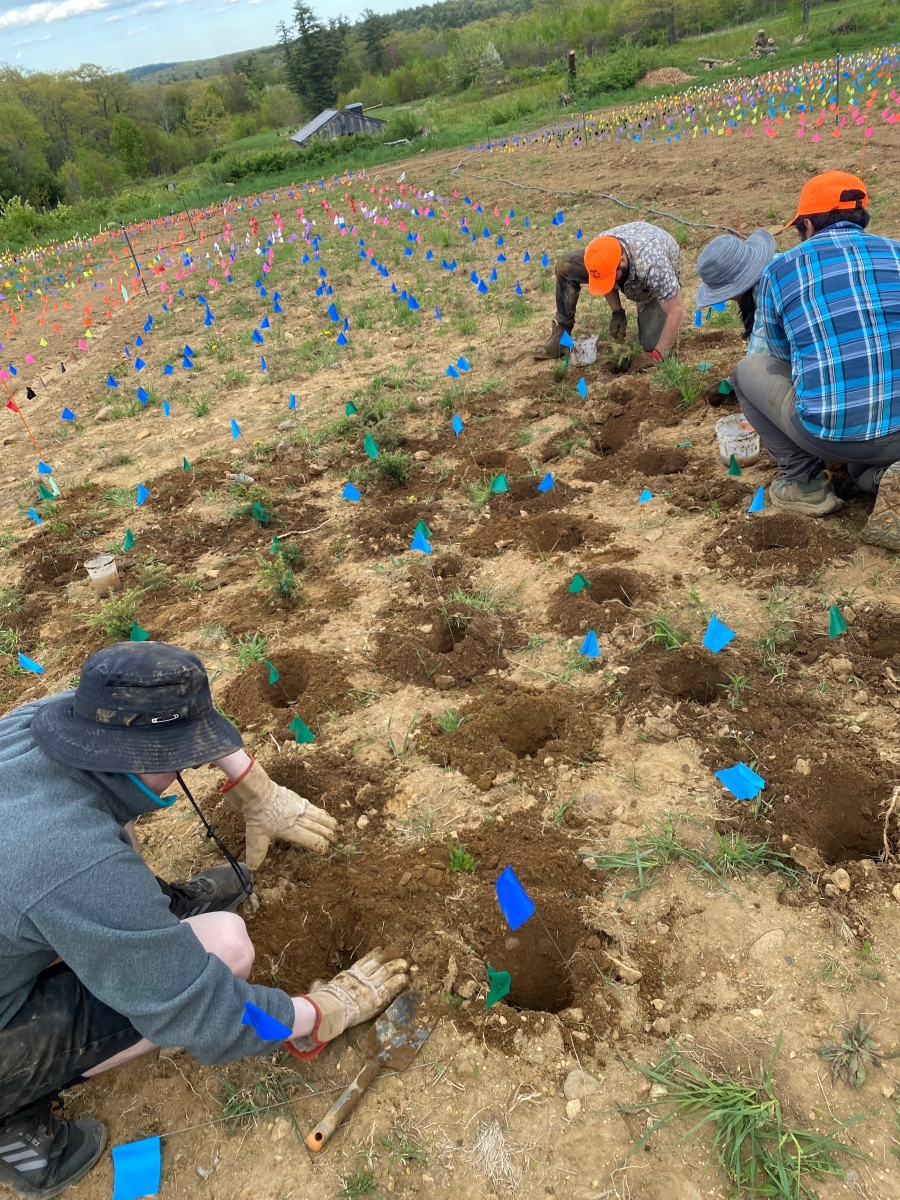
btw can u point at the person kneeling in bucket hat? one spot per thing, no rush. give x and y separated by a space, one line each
100 961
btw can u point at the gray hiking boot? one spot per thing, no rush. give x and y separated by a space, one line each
814 499
215 890
551 348
883 526
40 1156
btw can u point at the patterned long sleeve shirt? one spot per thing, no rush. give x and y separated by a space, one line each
831 308
655 265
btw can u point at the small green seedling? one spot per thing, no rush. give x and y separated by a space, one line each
856 1050
461 861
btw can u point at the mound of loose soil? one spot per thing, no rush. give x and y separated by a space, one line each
514 733
779 540
664 77
604 605
441 645
309 685
543 533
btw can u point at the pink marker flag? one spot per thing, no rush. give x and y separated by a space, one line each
82 344
29 359
163 287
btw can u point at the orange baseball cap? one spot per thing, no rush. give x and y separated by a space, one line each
829 191
602 259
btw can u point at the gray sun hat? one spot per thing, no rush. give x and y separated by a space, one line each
729 267
139 707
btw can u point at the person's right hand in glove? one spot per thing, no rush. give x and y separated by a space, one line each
356 995
618 325
271 810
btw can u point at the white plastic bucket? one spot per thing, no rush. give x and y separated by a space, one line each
737 436
103 574
584 352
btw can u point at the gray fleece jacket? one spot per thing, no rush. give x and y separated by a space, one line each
72 887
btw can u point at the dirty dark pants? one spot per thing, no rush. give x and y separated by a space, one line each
769 402
572 276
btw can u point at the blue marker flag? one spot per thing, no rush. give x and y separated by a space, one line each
269 1028
264 323
350 493
717 635
581 388
257 337
333 312
546 484
67 414
515 903
37 520
167 409
590 647
139 364
545 261
758 503
292 402
743 783
463 364
457 424
526 258
452 372
235 429
111 382
168 369
262 364
28 664
519 291
44 468
645 495
143 396
137 1169
566 340
142 494
483 287
420 542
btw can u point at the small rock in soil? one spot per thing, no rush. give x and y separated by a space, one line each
841 880
579 1084
284 426
573 1108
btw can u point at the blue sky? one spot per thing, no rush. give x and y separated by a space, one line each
61 34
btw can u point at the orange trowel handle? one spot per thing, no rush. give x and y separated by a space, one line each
343 1106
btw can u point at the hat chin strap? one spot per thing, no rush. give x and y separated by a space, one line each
244 879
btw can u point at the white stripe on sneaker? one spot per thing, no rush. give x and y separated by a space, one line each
11 1146
22 1154
32 1166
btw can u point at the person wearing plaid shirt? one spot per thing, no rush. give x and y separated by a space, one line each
827 386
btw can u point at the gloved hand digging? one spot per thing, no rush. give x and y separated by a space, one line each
270 810
355 995
645 362
618 325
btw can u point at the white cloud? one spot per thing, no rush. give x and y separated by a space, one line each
150 7
115 17
30 41
135 32
50 10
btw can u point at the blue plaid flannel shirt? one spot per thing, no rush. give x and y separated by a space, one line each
831 308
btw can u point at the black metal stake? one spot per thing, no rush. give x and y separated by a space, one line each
137 265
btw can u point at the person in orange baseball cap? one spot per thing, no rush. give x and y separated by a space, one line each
827 387
645 264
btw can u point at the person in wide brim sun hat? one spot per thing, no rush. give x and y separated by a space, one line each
730 266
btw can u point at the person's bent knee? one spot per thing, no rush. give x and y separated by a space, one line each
225 935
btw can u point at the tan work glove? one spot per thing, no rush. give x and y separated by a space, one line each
356 995
270 810
618 325
644 362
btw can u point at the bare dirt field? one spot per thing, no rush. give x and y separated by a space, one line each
449 701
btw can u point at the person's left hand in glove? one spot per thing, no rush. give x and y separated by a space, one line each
270 810
644 362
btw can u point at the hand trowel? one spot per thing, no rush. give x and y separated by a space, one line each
391 1044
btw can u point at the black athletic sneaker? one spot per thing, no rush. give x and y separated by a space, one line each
215 890
40 1156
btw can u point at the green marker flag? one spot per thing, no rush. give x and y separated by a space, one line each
370 447
501 984
351 410
726 388
836 623
276 545
260 514
53 488
579 583
733 468
44 493
424 530
273 673
499 484
137 634
128 540
301 731
185 465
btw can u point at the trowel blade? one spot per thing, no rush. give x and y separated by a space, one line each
400 1032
